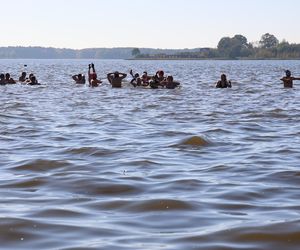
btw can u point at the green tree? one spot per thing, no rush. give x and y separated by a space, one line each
135 52
235 47
268 41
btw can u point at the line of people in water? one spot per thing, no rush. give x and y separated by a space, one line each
159 80
116 78
30 80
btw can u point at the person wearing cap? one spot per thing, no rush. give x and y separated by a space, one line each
93 81
223 83
115 79
288 79
79 79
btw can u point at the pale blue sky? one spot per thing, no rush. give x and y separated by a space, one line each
144 23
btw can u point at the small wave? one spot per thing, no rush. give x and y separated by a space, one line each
194 141
41 165
90 151
159 205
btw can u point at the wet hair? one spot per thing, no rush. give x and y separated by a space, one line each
170 78
116 74
288 73
136 75
23 74
2 76
161 72
80 76
223 76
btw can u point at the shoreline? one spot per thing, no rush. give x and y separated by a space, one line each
212 59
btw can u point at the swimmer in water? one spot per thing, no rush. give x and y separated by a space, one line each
136 80
8 79
93 81
169 83
79 79
223 83
115 79
2 79
22 78
288 79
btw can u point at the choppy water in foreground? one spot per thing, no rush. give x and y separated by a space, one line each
191 168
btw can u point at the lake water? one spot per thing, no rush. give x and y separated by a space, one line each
190 168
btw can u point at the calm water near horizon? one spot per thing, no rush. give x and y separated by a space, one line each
190 168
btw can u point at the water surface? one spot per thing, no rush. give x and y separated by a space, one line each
190 168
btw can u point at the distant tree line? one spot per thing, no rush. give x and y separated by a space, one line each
236 47
92 53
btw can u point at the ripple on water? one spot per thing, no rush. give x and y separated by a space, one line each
42 165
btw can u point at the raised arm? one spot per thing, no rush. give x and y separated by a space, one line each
109 77
123 75
74 77
89 74
131 73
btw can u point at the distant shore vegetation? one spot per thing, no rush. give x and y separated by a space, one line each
233 48
228 48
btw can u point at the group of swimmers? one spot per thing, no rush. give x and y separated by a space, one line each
159 80
30 80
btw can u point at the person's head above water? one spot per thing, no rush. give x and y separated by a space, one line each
116 74
7 76
2 76
223 77
161 73
288 73
170 79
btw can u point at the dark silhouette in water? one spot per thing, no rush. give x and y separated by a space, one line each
223 83
288 79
